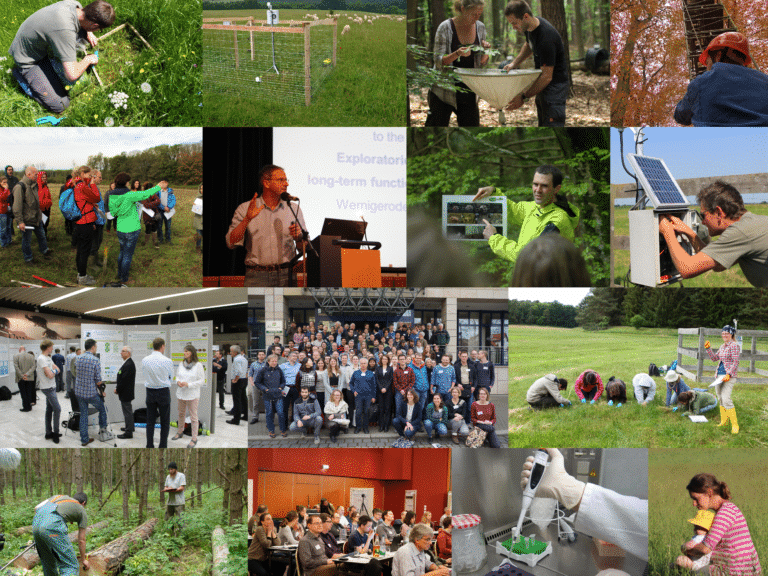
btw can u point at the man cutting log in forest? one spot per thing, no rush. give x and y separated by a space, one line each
49 529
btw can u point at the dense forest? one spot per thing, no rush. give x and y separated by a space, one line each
374 6
648 56
125 502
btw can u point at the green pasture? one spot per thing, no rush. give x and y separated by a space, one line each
163 85
669 506
732 277
177 264
366 88
622 352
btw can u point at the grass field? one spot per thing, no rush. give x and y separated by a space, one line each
669 506
732 277
367 87
174 265
621 352
170 73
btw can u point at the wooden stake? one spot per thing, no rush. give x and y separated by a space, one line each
335 29
237 52
140 36
253 52
307 67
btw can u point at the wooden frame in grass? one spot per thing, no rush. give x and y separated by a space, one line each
113 66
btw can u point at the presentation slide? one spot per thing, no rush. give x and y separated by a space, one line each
140 342
349 174
109 342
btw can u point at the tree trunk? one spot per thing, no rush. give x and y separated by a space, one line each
438 15
30 558
199 475
77 467
125 489
578 36
161 480
108 559
220 552
626 63
554 12
236 473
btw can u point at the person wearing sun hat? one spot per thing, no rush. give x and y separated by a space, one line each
675 386
729 93
727 358
702 522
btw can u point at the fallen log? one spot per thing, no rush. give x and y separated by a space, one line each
108 559
220 552
30 558
20 531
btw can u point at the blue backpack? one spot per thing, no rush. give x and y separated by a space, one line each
68 206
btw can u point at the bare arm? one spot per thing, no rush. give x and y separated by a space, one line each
541 82
688 266
73 70
81 547
525 53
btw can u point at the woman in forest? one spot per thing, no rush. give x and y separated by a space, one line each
727 358
190 376
728 539
458 42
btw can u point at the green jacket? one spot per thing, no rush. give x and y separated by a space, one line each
534 220
123 207
700 400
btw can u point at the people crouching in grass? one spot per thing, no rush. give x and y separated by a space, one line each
122 205
728 539
588 386
616 392
545 393
696 402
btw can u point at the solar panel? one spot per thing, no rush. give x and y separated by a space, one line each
657 181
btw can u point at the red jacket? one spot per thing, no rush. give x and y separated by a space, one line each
43 193
5 196
86 197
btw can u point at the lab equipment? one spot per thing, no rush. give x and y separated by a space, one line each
539 465
468 537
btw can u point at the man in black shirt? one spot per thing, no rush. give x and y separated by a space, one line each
220 369
126 380
546 45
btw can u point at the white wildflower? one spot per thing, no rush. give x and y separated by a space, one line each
146 88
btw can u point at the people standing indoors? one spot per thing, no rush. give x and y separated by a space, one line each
87 198
588 386
69 360
239 379
408 421
190 377
437 417
384 392
6 214
645 388
46 379
166 209
444 539
458 44
728 539
126 383
484 417
336 413
267 228
443 378
546 45
254 393
727 358
122 205
289 530
219 367
175 482
363 386
59 361
87 383
44 198
458 416
150 215
696 402
412 559
675 386
26 210
742 238
311 552
271 381
49 529
546 393
198 222
307 414
549 211
24 367
158 374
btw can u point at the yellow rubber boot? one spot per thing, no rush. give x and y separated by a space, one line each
734 421
724 416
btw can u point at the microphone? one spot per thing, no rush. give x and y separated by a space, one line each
288 198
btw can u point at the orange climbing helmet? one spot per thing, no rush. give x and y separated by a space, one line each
735 40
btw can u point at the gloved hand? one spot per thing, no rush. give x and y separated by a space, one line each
726 377
618 405
707 345
592 401
556 482
675 408
610 402
583 400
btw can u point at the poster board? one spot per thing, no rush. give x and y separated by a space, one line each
109 342
200 335
362 499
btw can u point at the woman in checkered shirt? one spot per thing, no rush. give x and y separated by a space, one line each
727 358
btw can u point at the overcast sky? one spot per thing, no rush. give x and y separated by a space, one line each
570 296
63 148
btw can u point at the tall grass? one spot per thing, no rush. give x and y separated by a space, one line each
669 505
172 70
367 87
621 352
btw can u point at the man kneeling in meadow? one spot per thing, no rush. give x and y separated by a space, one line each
56 29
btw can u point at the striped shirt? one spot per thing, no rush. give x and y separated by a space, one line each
290 371
728 354
88 374
158 370
239 367
255 368
733 552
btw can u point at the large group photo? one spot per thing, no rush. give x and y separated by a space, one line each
664 368
107 208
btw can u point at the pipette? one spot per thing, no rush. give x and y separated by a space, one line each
540 462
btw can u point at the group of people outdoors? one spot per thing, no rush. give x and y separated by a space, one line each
78 374
124 206
547 391
323 534
398 376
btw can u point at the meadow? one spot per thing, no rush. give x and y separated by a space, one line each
733 277
177 264
669 506
366 88
621 352
163 86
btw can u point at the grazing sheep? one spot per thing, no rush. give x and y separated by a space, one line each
346 29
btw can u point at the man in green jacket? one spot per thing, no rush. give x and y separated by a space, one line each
547 213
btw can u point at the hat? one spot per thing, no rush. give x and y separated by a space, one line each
734 40
671 376
730 329
704 518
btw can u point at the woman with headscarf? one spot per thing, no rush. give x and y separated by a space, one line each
727 358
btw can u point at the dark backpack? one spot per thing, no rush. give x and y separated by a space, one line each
140 416
5 393
653 370
73 423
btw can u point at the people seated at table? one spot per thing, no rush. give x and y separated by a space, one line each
343 520
362 540
412 559
336 526
408 522
303 516
264 536
311 551
291 532
253 520
444 539
385 529
353 520
332 549
426 518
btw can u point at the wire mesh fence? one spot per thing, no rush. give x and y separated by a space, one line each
285 63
